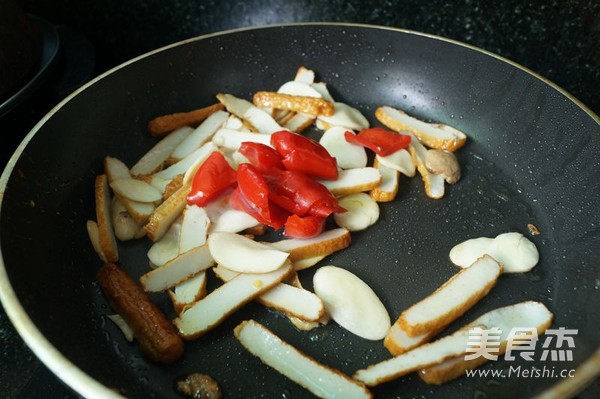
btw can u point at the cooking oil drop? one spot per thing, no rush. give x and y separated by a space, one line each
319 336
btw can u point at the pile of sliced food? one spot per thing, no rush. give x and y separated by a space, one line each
222 176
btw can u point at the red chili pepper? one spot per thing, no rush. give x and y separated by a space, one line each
383 142
302 154
252 196
254 189
214 176
278 216
263 157
304 227
302 195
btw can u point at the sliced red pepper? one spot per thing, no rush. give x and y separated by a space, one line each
277 214
214 176
383 142
307 195
263 157
254 189
302 154
325 207
304 227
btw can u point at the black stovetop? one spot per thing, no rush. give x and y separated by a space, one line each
559 39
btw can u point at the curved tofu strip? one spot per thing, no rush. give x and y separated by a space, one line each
299 122
351 302
115 169
449 369
304 75
226 219
355 180
467 252
177 270
361 212
324 244
416 359
319 379
512 250
434 184
524 314
125 226
400 161
259 119
153 159
166 214
233 221
387 189
210 311
122 325
305 104
527 314
452 299
94 235
136 190
191 290
233 123
515 252
173 186
305 263
158 182
233 139
183 165
346 116
236 106
164 124
139 211
106 235
397 341
166 248
281 116
348 155
433 135
194 228
321 88
200 135
243 255
295 88
292 301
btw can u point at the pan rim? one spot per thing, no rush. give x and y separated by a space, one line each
83 383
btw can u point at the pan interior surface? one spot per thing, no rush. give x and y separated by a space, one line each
531 158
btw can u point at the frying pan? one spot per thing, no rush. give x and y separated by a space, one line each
532 157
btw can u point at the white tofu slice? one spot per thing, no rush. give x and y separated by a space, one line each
319 379
200 135
194 228
351 303
348 155
355 180
243 255
183 165
153 159
210 311
178 269
292 301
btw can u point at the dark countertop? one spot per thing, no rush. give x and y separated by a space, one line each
559 39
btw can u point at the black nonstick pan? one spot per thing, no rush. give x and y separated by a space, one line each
531 158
